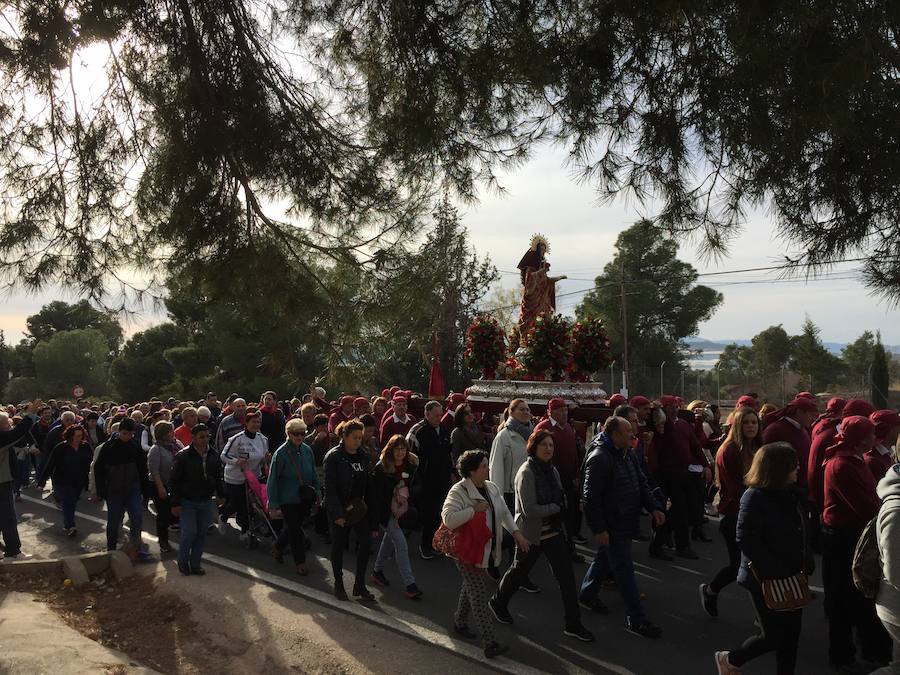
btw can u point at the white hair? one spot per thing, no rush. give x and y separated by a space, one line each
320 393
68 415
203 411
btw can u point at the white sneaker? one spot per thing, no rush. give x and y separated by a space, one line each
724 666
21 555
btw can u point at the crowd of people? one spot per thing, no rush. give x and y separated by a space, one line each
496 493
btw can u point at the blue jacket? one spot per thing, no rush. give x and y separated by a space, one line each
770 531
614 489
283 486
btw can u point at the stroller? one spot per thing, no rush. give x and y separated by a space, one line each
257 512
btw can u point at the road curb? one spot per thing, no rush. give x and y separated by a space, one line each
413 631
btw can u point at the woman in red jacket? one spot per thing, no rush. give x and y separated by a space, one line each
850 503
733 461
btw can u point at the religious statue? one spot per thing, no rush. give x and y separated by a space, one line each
539 289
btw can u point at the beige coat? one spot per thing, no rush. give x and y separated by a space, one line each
507 456
459 509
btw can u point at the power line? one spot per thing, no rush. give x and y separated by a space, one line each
828 276
721 272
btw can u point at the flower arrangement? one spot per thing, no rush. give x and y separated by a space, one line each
548 346
485 345
590 348
510 369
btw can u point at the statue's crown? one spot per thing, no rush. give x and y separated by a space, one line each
539 239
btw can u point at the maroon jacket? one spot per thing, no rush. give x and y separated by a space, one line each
850 497
824 424
730 473
878 464
565 449
448 422
678 448
336 418
815 469
390 428
783 430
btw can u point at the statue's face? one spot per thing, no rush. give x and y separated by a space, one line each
541 249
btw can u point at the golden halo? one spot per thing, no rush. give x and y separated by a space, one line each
539 239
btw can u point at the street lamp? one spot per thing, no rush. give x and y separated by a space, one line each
661 391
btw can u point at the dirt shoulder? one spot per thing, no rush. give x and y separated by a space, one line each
223 622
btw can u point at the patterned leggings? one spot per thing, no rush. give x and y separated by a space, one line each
473 600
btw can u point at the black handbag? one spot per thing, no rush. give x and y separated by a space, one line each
355 511
308 496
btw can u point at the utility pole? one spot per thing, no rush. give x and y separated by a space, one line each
624 334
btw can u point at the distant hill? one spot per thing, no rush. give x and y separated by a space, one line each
710 347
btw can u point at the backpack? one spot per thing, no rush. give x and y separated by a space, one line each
866 565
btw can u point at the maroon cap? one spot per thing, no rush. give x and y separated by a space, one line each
836 404
669 401
854 430
639 401
746 401
885 421
617 400
555 403
857 406
346 400
804 403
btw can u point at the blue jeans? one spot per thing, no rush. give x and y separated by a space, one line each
615 558
195 519
394 542
68 497
116 506
8 527
23 472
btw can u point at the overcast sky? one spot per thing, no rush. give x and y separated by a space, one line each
543 197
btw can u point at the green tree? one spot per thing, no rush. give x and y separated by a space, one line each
818 367
259 319
22 389
22 359
881 383
771 351
434 290
58 316
664 303
141 370
858 356
6 361
206 116
73 357
734 361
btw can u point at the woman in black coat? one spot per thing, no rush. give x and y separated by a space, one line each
68 467
389 503
772 533
347 472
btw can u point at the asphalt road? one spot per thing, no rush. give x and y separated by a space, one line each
536 640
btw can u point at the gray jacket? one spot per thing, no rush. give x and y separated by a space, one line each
529 514
887 601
